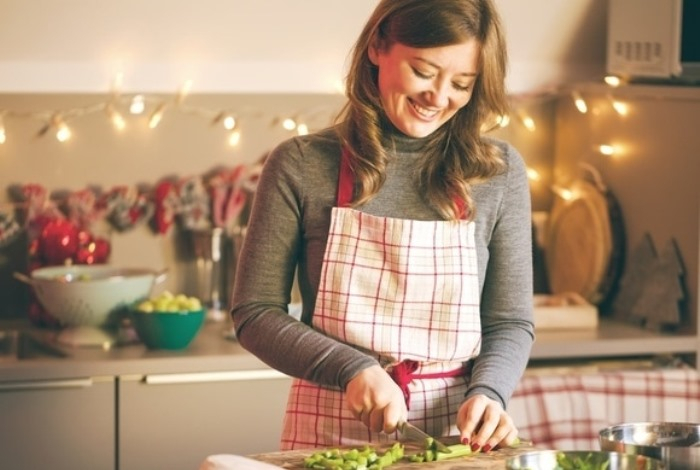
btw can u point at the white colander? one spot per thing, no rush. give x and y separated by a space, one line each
91 295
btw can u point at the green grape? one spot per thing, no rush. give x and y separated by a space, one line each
169 303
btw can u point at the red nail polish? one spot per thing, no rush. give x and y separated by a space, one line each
475 447
465 441
486 448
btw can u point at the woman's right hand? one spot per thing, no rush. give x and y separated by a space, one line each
376 400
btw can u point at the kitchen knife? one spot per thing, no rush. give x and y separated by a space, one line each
414 434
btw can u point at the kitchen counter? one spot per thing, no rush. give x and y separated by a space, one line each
209 352
493 460
159 393
144 408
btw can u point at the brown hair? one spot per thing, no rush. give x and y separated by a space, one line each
456 155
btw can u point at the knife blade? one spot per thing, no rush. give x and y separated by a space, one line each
412 433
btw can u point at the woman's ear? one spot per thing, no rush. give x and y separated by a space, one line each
373 51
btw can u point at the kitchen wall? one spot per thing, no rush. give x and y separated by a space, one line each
269 58
655 172
245 46
272 59
185 144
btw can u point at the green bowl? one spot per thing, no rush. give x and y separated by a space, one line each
167 330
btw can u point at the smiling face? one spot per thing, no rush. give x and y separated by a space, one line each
422 88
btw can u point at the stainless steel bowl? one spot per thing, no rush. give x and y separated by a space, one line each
595 460
675 444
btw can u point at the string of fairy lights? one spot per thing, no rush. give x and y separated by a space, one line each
58 122
611 99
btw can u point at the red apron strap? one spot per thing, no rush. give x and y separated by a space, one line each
346 181
461 207
403 373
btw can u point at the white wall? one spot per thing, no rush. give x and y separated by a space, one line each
254 45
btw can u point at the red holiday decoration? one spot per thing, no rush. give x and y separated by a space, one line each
93 250
166 206
59 241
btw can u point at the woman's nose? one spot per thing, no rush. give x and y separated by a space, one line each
439 94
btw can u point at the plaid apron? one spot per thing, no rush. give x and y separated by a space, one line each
403 291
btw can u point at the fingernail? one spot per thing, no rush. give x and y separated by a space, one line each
465 441
486 448
475 447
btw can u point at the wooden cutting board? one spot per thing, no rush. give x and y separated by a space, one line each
585 242
493 460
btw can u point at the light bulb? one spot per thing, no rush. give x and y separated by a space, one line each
612 80
302 129
184 91
138 105
528 122
580 102
620 108
533 175
63 132
607 149
229 123
565 194
156 116
289 124
118 121
116 117
234 138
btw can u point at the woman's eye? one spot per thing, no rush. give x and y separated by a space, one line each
421 74
460 87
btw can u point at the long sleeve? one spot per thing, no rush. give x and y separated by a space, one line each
287 236
286 229
506 301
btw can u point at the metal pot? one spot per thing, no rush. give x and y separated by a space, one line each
557 459
675 444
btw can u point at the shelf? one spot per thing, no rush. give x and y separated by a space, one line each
638 91
610 339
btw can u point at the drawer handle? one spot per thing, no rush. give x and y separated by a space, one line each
199 377
46 384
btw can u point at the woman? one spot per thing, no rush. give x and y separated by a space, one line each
410 234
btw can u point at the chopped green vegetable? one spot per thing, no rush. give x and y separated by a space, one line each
565 462
354 459
367 458
431 453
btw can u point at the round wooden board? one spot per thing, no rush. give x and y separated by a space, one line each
579 243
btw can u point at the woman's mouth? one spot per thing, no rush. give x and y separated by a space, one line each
425 113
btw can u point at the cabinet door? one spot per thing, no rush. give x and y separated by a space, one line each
177 420
66 424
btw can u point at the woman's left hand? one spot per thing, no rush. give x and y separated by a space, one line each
484 424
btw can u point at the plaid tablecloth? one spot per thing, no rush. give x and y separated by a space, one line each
567 409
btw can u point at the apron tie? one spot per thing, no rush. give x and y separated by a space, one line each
403 374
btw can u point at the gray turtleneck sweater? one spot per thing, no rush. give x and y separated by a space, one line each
287 234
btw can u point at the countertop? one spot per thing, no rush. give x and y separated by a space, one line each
210 351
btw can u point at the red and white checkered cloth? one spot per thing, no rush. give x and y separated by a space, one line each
567 411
